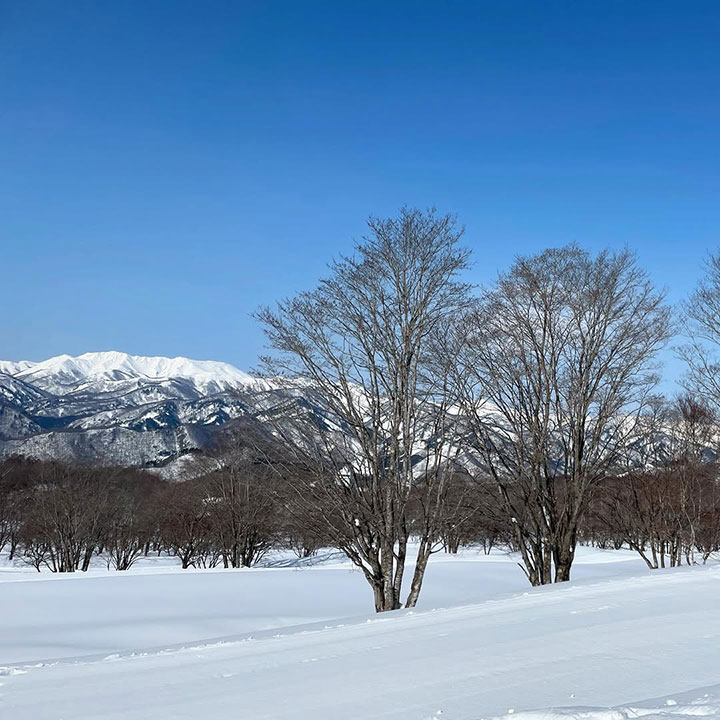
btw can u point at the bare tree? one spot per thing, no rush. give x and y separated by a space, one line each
130 518
14 484
556 369
243 507
471 513
184 525
701 315
372 425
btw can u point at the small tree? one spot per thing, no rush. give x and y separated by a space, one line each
243 508
130 521
15 479
184 525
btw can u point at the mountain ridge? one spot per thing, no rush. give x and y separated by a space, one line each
115 365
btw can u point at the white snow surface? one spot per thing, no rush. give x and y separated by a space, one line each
301 643
12 368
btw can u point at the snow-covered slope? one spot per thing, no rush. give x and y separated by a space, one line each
227 644
11 368
116 408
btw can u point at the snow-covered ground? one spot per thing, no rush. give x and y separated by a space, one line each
303 644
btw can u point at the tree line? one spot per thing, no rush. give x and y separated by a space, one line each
420 413
60 517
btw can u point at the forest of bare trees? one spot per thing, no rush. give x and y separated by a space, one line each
420 415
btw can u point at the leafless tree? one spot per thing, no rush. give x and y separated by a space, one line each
14 482
131 518
693 446
701 316
556 368
304 538
243 506
361 347
470 513
185 525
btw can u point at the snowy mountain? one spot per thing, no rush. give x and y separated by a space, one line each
102 371
117 408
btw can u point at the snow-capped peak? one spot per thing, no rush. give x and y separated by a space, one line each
63 373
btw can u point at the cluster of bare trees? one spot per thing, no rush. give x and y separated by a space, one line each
667 505
451 416
418 414
59 517
229 516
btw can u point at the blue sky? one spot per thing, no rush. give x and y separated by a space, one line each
168 167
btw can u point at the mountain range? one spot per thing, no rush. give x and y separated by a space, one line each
115 408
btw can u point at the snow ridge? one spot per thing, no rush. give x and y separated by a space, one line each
59 373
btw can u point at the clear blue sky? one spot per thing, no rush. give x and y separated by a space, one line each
166 167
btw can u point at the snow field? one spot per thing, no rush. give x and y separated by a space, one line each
272 643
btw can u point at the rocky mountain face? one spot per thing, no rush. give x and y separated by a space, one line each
114 408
